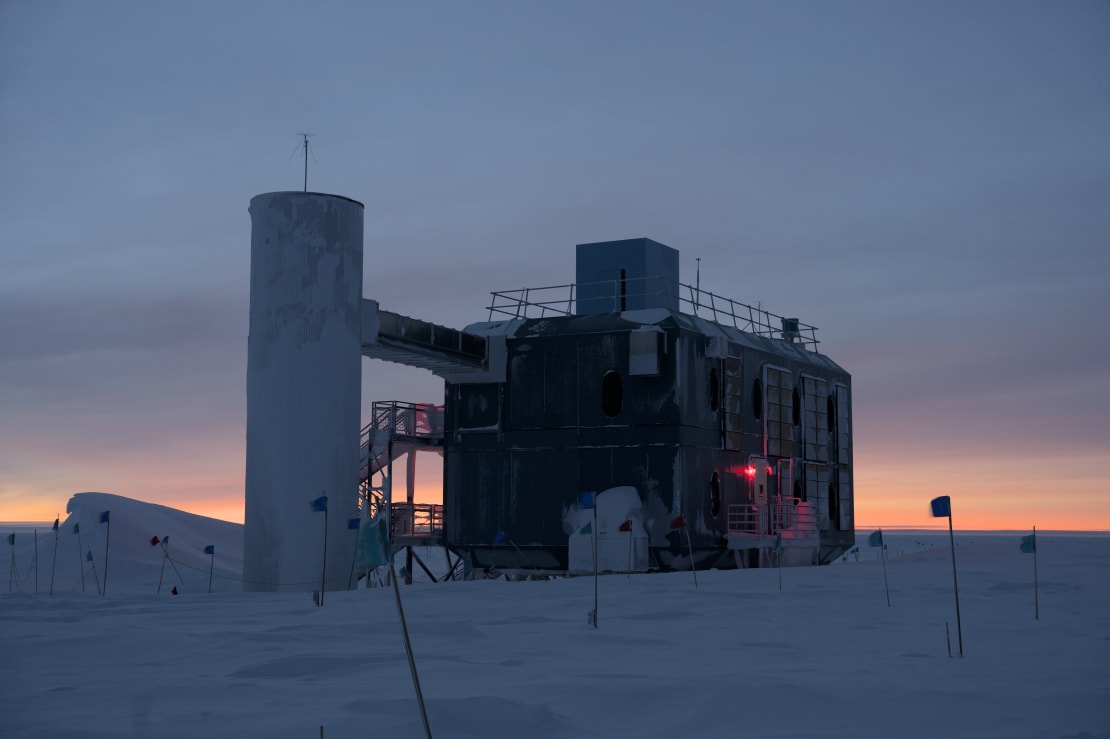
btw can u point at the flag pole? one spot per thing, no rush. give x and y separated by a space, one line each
1036 598
96 578
80 560
408 650
36 561
955 582
778 556
320 505
882 552
11 570
628 572
162 571
353 524
166 548
690 546
106 518
324 570
54 563
595 561
211 567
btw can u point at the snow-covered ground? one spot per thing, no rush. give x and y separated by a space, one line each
734 657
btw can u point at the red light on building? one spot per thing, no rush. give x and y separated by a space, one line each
770 471
750 470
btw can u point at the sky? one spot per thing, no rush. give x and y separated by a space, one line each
926 182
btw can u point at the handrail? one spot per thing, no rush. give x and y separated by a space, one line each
792 518
559 300
417 519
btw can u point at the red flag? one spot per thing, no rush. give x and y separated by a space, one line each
679 522
626 526
154 541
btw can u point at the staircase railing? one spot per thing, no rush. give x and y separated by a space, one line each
410 423
792 518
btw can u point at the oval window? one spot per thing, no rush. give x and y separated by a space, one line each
715 494
757 398
612 394
714 389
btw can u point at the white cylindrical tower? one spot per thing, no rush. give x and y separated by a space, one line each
303 390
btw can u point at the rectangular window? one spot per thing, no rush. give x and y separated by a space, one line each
732 392
778 426
815 415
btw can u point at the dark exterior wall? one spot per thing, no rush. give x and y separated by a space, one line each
518 453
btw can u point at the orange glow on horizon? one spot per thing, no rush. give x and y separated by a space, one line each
988 493
909 508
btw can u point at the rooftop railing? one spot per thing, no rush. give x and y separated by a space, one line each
616 295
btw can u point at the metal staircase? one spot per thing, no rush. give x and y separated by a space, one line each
400 428
790 524
396 428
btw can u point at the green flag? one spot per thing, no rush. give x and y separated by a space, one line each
372 543
1029 544
587 529
876 539
88 556
11 539
77 528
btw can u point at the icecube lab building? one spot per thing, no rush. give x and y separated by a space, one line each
677 427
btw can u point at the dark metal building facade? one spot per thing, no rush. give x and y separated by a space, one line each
725 420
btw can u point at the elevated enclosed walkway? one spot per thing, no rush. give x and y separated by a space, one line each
447 352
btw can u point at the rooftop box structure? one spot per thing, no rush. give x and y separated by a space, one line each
631 274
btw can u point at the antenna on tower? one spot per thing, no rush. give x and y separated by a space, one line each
305 137
697 286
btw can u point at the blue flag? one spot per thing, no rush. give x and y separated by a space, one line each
352 523
77 528
941 506
210 549
1029 544
876 539
55 524
11 540
585 501
88 556
105 516
500 537
320 504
